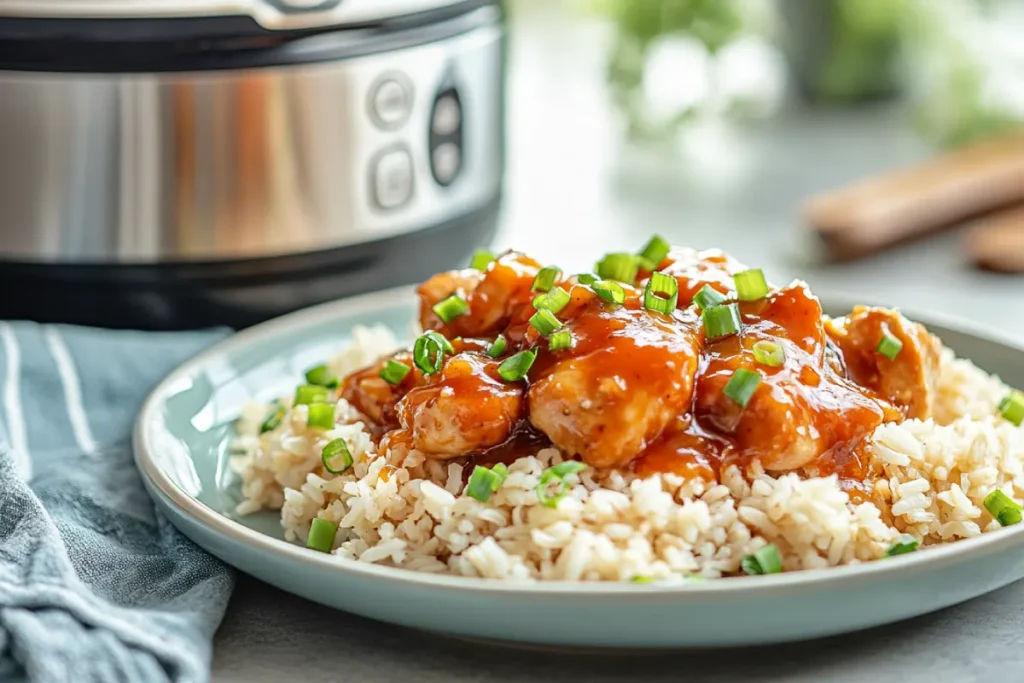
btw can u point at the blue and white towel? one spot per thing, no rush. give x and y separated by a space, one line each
94 585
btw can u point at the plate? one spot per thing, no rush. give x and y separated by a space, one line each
181 447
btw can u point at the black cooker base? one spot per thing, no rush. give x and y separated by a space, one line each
234 293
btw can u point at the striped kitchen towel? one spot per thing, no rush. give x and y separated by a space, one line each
94 585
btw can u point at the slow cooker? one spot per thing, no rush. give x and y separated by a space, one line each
173 164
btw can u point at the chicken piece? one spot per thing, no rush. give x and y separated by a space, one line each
627 376
375 398
494 296
802 410
465 408
908 380
694 269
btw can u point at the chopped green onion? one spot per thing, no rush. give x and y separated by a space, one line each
394 372
764 561
1012 407
514 368
451 307
662 293
554 301
556 473
483 482
545 279
621 267
750 285
640 578
741 386
428 352
336 457
273 420
481 259
321 535
889 346
586 279
1003 508
906 544
654 252
545 322
323 377
306 394
721 321
497 346
609 291
708 297
321 415
562 339
769 353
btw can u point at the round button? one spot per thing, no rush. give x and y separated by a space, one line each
447 116
391 102
446 160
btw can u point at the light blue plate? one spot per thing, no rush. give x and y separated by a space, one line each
181 442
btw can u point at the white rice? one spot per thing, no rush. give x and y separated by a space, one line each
400 509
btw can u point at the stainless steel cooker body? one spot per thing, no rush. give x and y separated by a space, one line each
334 151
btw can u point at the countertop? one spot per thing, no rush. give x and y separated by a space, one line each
573 190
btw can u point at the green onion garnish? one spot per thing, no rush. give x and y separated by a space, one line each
621 267
640 578
721 321
554 301
654 252
545 322
609 291
321 415
769 353
394 372
661 294
750 285
322 376
889 346
307 394
1003 508
481 259
336 457
1012 407
273 420
556 473
741 386
586 279
428 352
708 297
321 535
545 279
483 482
451 307
497 346
764 561
562 339
514 368
906 544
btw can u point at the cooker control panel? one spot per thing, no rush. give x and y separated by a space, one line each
446 137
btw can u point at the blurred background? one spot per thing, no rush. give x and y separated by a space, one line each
169 166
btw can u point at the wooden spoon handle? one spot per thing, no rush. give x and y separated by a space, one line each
997 242
886 209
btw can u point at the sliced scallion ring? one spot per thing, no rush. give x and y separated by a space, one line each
322 376
662 293
721 321
515 367
320 415
554 301
497 346
450 308
481 259
428 352
559 340
654 252
321 535
741 386
622 267
764 561
889 346
336 457
394 372
483 482
545 322
750 285
906 544
545 279
556 473
306 394
708 297
769 353
273 420
1003 508
586 279
1012 407
611 292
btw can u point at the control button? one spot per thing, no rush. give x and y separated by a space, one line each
447 116
392 178
391 101
446 160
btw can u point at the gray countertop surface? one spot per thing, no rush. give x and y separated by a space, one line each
574 190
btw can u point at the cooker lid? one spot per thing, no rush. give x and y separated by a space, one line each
271 15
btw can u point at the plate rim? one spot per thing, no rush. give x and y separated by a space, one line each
741 586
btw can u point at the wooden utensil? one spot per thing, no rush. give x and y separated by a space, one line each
997 241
